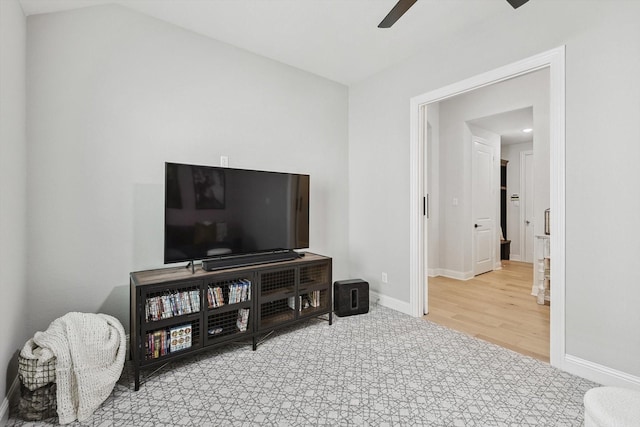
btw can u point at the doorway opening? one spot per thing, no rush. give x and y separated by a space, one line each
492 124
553 61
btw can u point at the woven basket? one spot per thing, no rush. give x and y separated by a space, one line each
37 389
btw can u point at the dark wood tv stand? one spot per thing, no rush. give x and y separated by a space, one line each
174 313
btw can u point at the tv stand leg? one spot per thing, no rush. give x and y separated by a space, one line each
255 343
136 374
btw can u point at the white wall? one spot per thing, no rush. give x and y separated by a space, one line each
511 152
113 95
13 184
602 150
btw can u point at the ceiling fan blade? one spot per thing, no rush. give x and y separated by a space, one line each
398 10
517 3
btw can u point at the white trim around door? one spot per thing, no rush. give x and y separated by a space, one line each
526 234
554 60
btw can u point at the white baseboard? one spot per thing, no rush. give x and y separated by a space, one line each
434 272
599 373
390 302
514 257
451 274
11 396
458 275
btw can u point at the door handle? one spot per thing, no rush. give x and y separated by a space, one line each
527 222
476 226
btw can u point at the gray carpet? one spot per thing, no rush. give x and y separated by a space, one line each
383 368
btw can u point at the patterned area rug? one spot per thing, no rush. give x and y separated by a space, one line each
383 368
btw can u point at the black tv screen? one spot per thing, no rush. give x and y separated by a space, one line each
215 212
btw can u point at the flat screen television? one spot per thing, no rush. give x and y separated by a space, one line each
214 212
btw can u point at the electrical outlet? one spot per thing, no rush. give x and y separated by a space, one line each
385 279
224 161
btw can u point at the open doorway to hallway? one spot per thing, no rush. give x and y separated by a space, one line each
457 296
420 219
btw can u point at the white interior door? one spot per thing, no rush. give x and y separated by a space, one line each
484 206
526 184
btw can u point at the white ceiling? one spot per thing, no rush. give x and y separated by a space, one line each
336 39
509 125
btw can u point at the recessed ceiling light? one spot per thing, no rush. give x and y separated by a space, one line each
527 130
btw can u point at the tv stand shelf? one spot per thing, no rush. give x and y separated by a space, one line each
175 313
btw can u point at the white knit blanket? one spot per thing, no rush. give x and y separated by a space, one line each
90 351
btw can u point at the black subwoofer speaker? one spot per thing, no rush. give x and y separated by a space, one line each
350 297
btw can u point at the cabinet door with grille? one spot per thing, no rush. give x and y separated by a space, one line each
277 297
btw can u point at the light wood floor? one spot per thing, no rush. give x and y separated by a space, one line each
497 307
